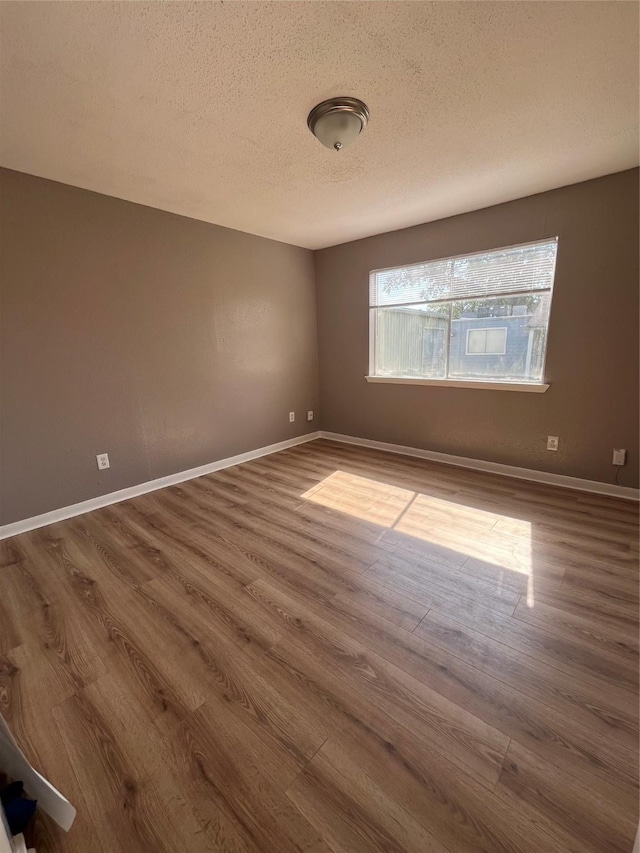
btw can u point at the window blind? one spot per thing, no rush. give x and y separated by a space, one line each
525 268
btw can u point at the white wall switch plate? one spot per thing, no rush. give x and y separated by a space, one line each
553 442
292 417
619 456
103 461
310 415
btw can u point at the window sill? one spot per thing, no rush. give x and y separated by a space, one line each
529 387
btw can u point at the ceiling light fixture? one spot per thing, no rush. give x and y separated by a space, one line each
338 122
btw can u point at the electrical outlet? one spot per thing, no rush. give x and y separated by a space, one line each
619 456
309 415
103 461
292 417
553 442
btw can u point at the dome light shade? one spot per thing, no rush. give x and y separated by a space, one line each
338 122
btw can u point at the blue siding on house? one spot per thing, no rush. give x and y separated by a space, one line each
514 361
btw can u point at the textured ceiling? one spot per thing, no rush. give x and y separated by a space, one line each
200 108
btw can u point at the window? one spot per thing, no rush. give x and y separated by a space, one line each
487 341
472 318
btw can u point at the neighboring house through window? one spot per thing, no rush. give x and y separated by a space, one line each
480 317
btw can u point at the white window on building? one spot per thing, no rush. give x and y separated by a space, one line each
482 317
487 341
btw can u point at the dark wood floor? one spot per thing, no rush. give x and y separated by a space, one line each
331 649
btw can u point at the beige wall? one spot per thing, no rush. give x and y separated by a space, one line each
592 356
170 343
166 342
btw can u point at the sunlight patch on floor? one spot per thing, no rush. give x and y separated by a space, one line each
498 541
367 499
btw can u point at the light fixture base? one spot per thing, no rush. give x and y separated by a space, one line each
337 122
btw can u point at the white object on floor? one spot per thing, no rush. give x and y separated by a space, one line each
9 844
14 763
18 844
5 838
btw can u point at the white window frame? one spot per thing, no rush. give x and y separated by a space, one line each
493 384
487 329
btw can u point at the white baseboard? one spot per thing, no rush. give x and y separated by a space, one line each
460 461
492 467
150 486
